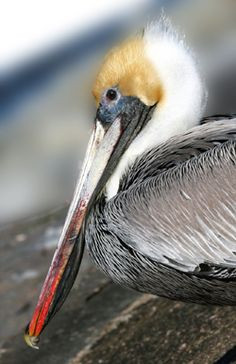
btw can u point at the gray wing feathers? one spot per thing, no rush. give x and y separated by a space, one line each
185 215
213 118
179 149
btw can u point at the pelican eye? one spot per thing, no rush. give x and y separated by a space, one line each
111 94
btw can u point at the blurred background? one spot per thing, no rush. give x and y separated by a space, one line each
50 53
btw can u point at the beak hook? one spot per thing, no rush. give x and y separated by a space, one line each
32 341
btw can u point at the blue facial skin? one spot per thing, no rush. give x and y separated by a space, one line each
109 109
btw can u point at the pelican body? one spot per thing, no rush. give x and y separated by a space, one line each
156 200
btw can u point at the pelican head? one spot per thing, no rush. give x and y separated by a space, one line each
148 89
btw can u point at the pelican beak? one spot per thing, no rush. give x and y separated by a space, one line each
107 143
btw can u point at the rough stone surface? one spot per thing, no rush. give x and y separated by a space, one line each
161 331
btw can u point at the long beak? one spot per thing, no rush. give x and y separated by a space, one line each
100 161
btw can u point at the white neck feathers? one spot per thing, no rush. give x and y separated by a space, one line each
184 96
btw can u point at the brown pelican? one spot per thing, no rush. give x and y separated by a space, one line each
156 199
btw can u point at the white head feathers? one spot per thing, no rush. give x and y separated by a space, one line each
182 98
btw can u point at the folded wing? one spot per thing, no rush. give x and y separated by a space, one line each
182 213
